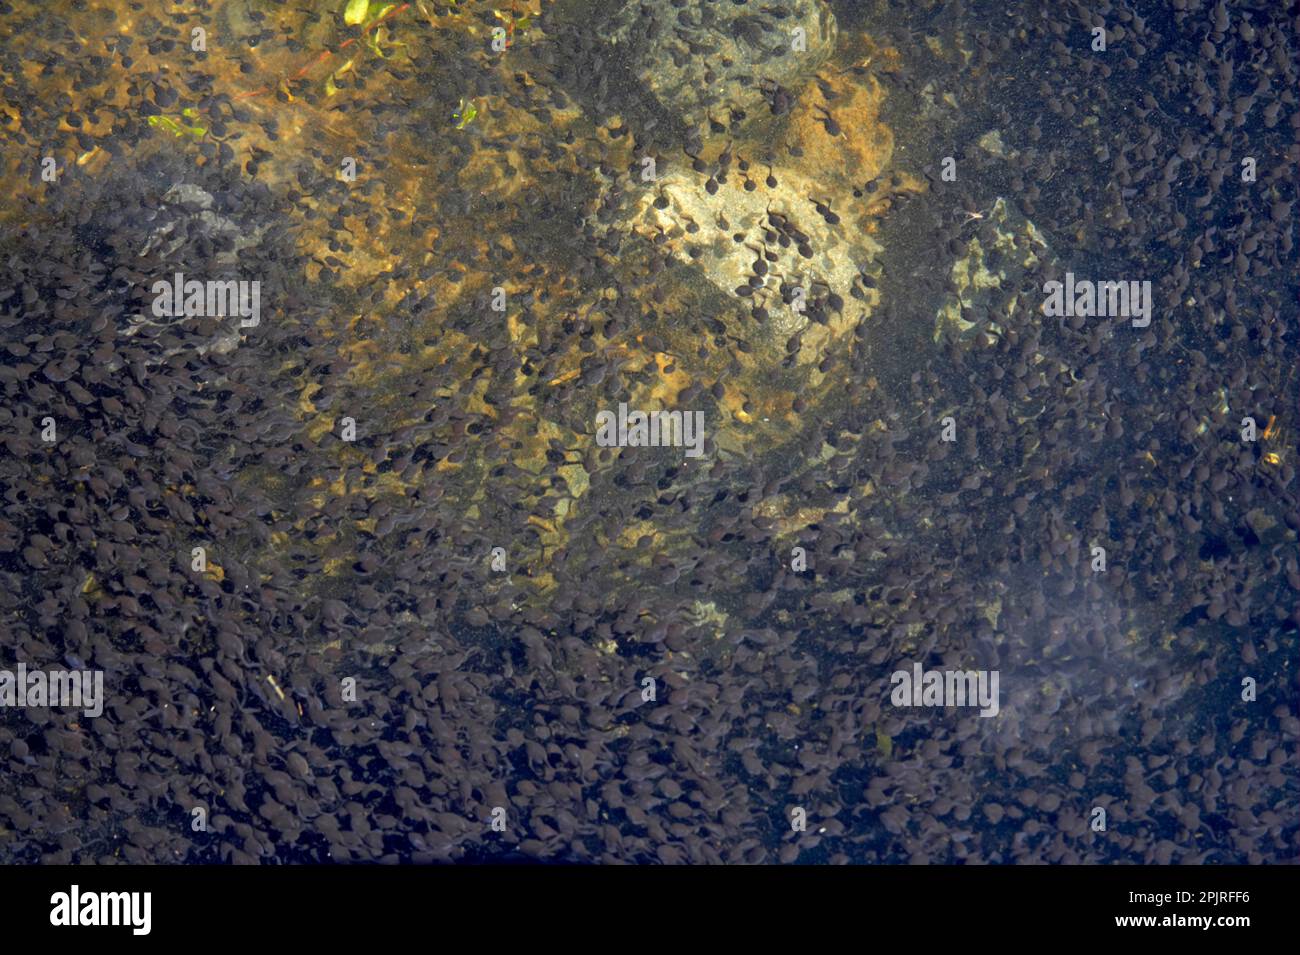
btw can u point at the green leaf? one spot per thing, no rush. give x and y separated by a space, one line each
467 113
355 14
178 129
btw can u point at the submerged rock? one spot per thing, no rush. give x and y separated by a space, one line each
731 235
838 128
780 258
187 205
186 214
711 57
1003 249
762 267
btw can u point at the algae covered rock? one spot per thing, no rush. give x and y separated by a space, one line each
1001 252
720 58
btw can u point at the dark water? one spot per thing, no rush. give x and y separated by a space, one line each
461 261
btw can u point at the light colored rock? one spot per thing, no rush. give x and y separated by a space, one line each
1003 247
840 253
187 192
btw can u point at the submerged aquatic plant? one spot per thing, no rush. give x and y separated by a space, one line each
358 12
376 28
464 114
355 12
514 23
373 31
384 13
354 15
177 128
331 83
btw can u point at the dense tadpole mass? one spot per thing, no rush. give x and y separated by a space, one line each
670 432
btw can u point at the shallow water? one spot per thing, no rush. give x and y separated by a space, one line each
463 260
